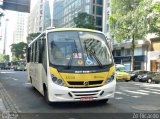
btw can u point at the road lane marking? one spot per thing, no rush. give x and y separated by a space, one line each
2 107
153 89
156 93
15 79
151 85
7 72
136 96
118 98
135 92
145 91
122 93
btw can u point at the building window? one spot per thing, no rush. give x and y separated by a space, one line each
40 28
117 53
98 21
41 12
87 9
87 1
127 52
100 2
137 66
98 10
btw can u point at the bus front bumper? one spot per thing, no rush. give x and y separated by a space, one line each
58 93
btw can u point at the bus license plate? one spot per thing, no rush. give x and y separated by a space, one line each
88 98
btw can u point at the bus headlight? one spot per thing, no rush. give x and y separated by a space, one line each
110 79
57 81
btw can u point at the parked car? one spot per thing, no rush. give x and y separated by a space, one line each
2 65
146 77
121 74
20 66
134 74
156 78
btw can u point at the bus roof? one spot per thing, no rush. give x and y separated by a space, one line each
72 29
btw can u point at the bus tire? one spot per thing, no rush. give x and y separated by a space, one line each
103 101
46 96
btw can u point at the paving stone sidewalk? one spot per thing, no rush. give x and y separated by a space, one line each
8 109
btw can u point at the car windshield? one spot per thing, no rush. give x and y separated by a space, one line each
76 48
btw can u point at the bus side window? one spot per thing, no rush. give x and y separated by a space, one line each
31 54
43 54
37 52
41 48
28 54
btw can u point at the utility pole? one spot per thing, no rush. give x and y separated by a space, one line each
5 36
51 3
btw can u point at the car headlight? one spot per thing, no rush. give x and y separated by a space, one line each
57 81
110 79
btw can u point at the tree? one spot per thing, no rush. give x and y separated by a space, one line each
18 50
4 58
129 21
32 36
84 20
154 19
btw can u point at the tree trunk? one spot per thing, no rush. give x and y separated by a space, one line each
132 53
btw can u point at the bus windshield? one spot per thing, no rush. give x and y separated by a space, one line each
77 48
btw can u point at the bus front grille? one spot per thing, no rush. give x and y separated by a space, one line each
78 94
82 83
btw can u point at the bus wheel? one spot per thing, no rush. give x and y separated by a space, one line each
103 101
46 96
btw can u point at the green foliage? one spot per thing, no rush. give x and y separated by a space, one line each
129 21
154 19
129 18
18 50
4 58
84 20
32 36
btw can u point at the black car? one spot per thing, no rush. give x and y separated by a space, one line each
134 74
156 78
147 77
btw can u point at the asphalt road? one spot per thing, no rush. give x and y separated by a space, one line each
130 97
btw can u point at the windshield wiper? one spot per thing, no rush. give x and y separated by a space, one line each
93 54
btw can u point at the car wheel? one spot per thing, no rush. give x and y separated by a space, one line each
149 80
103 101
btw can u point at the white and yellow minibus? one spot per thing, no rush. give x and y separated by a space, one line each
71 64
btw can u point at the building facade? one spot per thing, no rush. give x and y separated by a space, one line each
122 55
19 33
58 11
73 7
154 55
35 18
64 11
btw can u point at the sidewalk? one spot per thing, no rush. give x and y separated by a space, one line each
8 109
